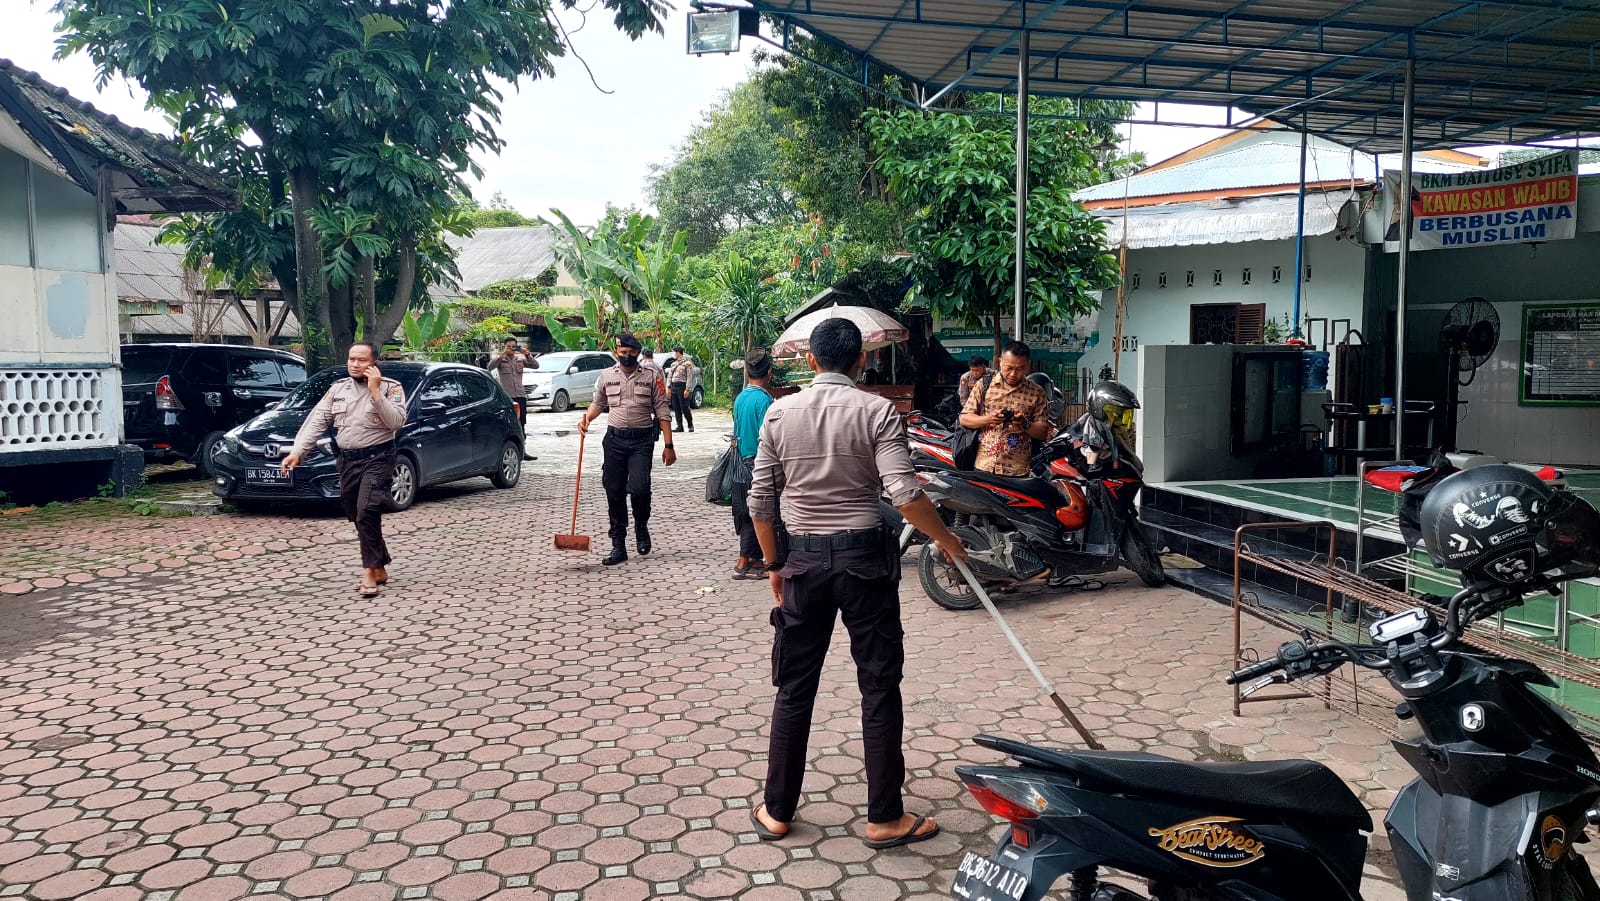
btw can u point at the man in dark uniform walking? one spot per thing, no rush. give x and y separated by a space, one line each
833 450
366 410
635 396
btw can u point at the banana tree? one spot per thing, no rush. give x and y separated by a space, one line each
425 331
595 263
653 275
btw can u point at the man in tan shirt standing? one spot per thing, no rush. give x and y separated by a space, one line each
508 366
1009 413
832 451
366 410
635 397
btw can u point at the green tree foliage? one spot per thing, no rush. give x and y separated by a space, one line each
955 174
824 150
725 174
738 305
370 105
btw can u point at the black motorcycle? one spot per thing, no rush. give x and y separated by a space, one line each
1505 783
1080 520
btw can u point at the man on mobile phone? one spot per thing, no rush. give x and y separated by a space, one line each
508 365
366 410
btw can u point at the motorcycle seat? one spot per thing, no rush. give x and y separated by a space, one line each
1293 789
1029 486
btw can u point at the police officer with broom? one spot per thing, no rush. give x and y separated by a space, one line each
635 396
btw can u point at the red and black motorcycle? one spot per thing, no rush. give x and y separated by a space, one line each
1075 516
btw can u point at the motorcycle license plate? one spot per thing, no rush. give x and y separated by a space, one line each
267 476
981 879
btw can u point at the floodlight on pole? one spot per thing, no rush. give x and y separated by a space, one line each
714 28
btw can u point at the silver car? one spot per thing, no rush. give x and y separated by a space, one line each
558 381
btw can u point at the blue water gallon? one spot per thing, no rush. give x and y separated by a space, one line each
1316 370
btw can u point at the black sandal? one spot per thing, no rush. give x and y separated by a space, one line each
766 833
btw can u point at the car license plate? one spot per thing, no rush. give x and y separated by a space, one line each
981 879
268 476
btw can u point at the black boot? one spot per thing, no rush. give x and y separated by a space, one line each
618 554
642 540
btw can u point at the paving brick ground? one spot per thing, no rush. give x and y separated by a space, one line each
226 718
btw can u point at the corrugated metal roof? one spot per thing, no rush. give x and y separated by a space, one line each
1271 218
152 174
1485 72
1269 160
492 255
150 271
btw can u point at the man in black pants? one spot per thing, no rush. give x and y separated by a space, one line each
636 398
834 450
367 410
681 381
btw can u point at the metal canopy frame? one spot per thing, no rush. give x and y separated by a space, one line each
1492 71
1381 76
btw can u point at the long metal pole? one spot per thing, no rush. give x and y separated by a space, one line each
1406 135
1300 234
1020 322
1027 659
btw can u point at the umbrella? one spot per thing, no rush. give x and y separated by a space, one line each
878 329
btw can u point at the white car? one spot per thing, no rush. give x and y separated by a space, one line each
559 381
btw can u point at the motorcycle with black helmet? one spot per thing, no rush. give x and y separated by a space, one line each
1505 785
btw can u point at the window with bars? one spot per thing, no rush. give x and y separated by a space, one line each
1227 323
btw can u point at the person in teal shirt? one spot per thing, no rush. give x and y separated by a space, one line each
749 412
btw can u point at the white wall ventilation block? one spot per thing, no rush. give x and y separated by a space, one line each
52 408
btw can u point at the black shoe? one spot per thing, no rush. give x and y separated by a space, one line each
642 540
691 428
616 556
529 457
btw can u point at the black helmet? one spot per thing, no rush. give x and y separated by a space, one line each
1042 380
1115 396
1500 524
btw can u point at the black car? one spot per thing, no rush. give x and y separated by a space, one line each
178 399
460 424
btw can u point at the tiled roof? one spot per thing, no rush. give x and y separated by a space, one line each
1268 161
156 176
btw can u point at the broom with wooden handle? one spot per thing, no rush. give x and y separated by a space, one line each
573 541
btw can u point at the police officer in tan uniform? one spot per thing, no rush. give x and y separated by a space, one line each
366 410
635 396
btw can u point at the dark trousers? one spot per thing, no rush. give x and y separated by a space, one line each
743 525
625 473
364 495
682 407
857 585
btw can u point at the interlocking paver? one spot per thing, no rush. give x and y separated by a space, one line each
203 708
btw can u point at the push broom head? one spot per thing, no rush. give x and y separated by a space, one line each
572 542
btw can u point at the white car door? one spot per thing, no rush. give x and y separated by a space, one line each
589 372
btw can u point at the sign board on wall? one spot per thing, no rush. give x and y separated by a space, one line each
1535 200
1560 355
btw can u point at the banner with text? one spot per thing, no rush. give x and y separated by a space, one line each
1535 200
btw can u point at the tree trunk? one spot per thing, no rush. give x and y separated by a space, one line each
405 281
311 288
341 314
995 360
367 287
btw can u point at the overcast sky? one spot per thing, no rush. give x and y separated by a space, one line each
568 144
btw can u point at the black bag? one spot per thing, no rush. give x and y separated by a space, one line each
964 441
719 481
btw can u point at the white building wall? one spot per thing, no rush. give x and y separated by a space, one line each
1160 316
59 346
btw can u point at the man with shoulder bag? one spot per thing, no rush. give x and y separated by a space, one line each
749 412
